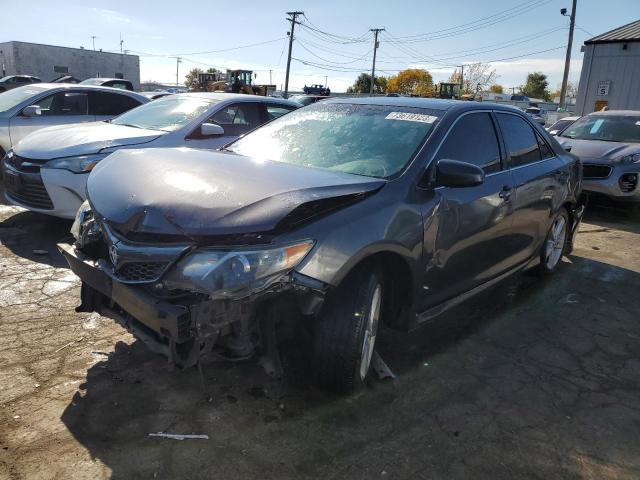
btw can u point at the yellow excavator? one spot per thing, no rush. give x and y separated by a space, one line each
235 81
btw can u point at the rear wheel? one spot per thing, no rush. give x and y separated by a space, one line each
346 332
555 243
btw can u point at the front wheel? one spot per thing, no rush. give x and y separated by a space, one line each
555 243
346 332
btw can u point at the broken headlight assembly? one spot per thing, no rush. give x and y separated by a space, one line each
224 274
84 227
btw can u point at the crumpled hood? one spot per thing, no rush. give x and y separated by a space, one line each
81 139
188 192
596 151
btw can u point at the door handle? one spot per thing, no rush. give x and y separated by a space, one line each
505 193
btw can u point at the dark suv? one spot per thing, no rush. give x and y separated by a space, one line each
332 218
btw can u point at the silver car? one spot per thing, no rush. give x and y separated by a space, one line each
26 109
47 171
608 143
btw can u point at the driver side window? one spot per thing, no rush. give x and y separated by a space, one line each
473 139
64 103
237 119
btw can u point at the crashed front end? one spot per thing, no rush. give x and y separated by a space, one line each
183 298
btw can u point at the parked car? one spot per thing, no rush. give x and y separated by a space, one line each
26 109
536 115
155 95
608 143
109 82
305 100
56 162
561 125
14 81
339 216
317 90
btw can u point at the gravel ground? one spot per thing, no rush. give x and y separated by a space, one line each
537 379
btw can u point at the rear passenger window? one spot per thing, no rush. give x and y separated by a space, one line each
473 139
110 104
520 139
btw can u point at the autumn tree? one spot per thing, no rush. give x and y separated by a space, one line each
191 78
477 77
363 84
413 81
536 86
496 88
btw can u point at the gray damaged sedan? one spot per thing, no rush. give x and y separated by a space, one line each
321 225
608 143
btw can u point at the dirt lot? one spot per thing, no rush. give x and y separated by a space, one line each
539 379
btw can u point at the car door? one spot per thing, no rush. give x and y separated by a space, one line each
468 238
60 108
538 175
107 105
236 119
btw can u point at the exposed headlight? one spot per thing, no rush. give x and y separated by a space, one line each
82 164
629 159
81 218
219 273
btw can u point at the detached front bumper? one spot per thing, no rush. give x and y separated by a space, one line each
167 321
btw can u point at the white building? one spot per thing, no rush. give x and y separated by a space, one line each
611 71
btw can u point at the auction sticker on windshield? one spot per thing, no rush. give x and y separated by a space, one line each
411 117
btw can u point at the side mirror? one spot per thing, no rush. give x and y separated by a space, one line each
453 173
211 130
567 148
31 111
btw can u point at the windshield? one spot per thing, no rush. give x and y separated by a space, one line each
12 98
372 140
610 128
560 124
166 114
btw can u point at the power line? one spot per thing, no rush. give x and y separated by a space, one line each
476 24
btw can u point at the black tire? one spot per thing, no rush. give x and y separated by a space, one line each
339 340
547 263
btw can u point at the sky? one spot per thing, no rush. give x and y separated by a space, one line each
334 43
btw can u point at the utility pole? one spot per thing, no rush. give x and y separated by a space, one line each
178 62
567 60
93 41
375 31
121 42
325 81
292 19
270 81
461 78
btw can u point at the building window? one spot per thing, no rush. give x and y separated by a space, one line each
59 69
119 75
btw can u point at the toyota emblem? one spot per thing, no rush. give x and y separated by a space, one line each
113 255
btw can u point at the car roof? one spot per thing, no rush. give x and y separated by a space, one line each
618 113
430 103
66 86
236 97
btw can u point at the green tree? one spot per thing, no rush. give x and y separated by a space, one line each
413 81
536 86
363 84
496 88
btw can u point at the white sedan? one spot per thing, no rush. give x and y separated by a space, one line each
47 171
